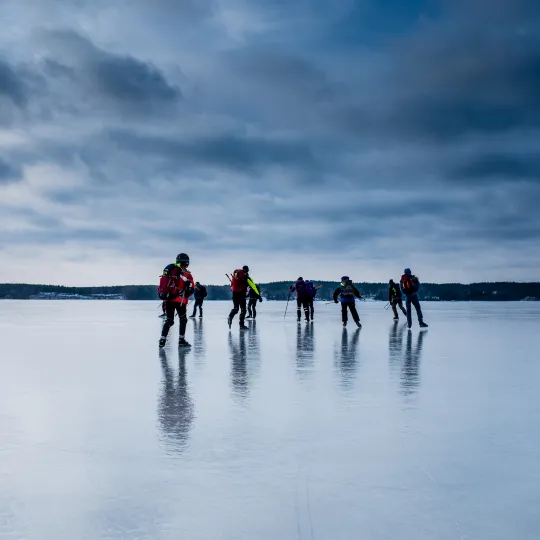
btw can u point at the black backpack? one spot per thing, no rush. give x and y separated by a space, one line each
347 289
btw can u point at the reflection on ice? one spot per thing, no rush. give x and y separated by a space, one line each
346 357
406 359
410 374
176 409
245 356
199 346
305 350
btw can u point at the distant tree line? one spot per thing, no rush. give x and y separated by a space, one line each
501 291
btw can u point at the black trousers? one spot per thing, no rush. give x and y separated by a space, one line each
252 307
170 309
302 303
239 304
198 304
397 301
311 308
352 307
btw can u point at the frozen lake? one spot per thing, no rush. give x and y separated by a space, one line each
284 431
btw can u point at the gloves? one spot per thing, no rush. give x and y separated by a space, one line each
260 299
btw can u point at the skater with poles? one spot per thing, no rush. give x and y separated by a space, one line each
395 299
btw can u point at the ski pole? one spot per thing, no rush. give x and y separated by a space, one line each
387 306
228 277
287 306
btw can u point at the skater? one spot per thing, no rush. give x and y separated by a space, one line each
312 293
302 298
253 298
394 299
239 285
410 286
175 287
347 293
200 294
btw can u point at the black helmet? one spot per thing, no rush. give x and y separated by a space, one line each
391 282
197 283
182 259
245 268
300 279
344 278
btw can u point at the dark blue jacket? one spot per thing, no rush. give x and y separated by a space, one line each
200 292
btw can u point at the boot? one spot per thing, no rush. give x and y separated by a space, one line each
162 342
423 325
192 316
345 324
358 324
244 327
183 343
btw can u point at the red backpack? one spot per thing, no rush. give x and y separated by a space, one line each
239 281
169 283
409 284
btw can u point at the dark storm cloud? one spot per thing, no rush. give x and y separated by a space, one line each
11 85
284 72
445 87
229 151
8 172
509 166
122 78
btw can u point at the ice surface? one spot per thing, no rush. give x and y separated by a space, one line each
284 431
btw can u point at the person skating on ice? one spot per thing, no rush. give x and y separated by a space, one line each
347 294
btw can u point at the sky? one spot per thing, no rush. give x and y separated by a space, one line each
314 138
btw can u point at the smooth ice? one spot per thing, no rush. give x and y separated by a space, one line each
284 431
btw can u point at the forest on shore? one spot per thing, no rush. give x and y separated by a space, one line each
499 291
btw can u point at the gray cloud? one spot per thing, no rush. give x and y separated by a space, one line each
506 166
229 151
127 81
242 130
8 172
11 85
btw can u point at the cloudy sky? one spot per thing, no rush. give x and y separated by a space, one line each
303 137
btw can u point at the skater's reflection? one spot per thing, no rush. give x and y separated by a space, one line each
395 346
347 357
175 408
305 350
199 346
410 372
245 354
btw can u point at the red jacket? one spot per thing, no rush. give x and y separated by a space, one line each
176 284
239 281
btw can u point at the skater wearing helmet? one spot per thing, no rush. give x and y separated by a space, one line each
302 298
175 287
239 285
410 285
347 294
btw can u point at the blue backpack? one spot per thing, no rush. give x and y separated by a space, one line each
310 289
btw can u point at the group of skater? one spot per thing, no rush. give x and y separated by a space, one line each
176 287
